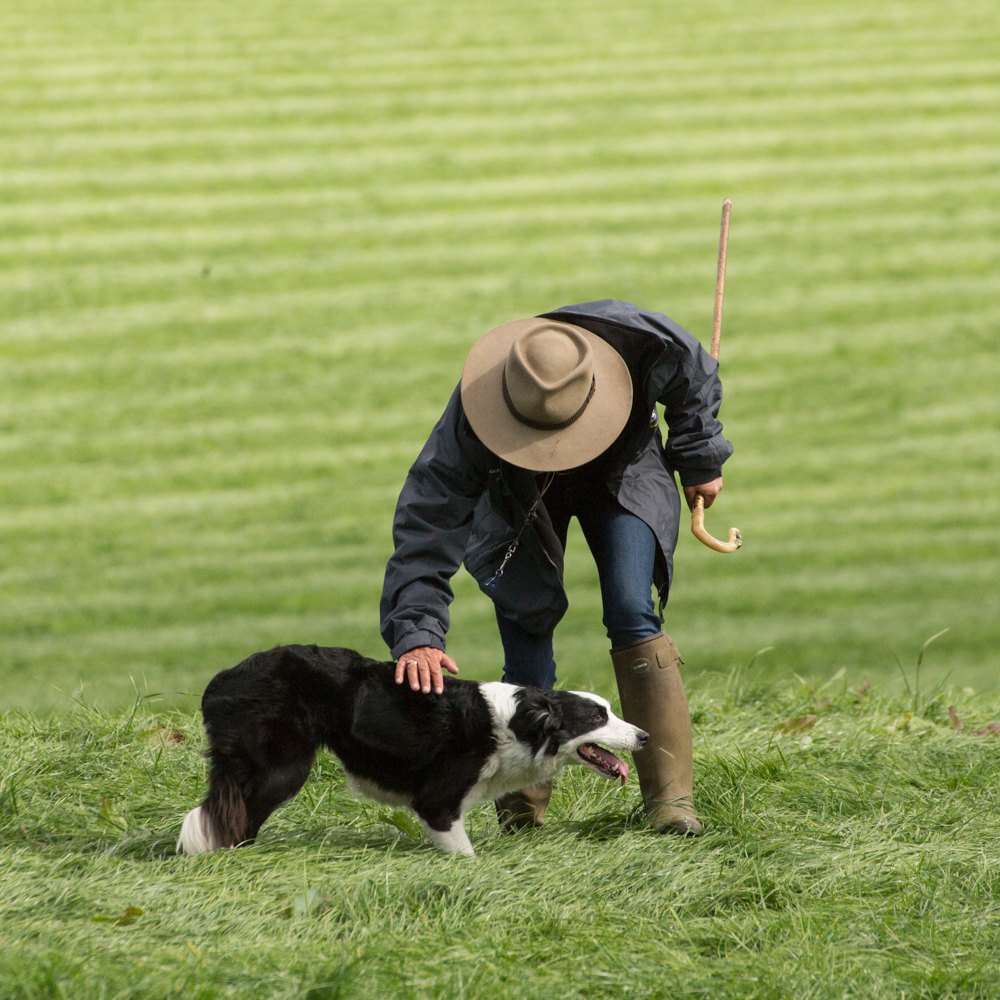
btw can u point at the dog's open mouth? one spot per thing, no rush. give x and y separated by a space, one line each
604 762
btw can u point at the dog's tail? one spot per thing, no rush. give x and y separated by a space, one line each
220 821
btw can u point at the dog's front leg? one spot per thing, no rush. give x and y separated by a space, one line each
443 803
453 840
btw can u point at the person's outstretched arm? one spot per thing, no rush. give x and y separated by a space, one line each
430 531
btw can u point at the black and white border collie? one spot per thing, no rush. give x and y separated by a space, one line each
438 755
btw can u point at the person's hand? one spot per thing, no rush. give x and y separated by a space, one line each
708 490
423 666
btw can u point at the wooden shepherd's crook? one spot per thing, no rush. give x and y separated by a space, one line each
698 513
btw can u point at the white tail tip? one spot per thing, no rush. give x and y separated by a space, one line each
196 836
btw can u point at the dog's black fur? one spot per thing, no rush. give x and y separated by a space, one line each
266 717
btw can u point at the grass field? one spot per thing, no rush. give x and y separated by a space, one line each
243 251
859 859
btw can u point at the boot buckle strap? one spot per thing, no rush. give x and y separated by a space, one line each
670 655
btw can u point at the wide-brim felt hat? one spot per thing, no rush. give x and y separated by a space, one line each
545 395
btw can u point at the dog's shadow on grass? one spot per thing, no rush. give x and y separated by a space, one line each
346 839
151 845
160 845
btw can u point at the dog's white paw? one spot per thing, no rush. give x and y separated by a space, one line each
453 841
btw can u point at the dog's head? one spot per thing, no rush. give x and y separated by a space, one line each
576 728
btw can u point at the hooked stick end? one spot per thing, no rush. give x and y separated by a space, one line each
699 532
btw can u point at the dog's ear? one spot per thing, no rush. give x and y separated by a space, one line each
537 720
545 713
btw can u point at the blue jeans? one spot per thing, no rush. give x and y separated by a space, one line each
624 548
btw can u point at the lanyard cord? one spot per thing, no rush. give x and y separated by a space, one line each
492 582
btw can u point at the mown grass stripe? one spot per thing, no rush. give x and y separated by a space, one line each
109 322
295 270
358 153
765 215
281 574
86 488
136 209
677 229
161 70
100 423
773 356
694 150
962 242
786 82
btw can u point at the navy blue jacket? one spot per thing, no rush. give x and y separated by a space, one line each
460 502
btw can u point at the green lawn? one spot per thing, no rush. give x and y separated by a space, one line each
858 859
244 248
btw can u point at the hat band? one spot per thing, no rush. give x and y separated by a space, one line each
538 425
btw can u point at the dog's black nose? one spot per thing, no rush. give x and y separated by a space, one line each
642 737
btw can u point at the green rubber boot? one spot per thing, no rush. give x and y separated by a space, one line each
652 696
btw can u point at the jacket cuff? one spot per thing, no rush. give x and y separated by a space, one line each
414 640
695 477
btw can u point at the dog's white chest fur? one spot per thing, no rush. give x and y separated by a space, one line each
512 765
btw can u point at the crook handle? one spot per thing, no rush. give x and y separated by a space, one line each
699 532
698 511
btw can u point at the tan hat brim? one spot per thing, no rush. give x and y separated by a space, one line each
543 450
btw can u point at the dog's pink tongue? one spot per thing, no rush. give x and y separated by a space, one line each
611 760
623 771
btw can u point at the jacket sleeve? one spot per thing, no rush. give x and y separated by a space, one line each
430 531
691 399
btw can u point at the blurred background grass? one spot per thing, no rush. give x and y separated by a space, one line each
245 247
